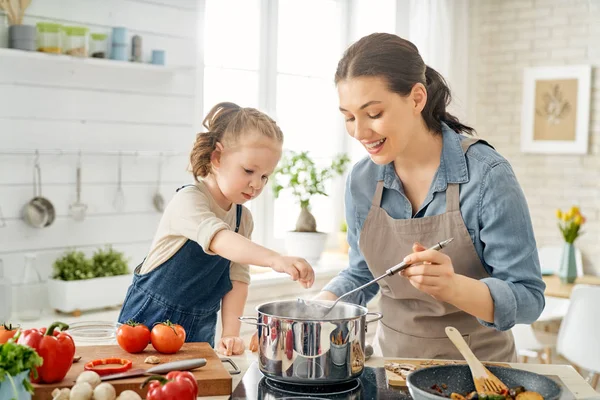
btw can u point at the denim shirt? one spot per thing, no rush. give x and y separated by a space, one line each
495 213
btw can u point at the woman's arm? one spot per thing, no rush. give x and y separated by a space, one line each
514 294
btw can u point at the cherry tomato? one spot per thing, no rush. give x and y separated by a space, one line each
7 331
133 337
167 337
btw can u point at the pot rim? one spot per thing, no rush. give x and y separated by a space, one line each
363 309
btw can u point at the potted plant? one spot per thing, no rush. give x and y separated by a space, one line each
569 223
16 361
299 173
343 237
80 284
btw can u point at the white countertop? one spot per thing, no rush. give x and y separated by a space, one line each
574 382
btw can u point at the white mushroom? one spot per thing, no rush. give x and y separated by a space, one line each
129 395
105 391
61 394
81 391
90 377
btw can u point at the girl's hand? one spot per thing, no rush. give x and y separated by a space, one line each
253 346
231 345
431 273
298 268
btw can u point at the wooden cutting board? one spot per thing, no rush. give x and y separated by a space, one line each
213 379
398 380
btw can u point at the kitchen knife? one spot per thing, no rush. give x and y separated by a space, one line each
182 365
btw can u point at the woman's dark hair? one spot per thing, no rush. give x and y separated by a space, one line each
398 61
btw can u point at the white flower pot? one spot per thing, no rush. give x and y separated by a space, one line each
308 245
88 294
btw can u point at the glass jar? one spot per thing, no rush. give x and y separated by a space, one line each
49 37
75 41
98 45
29 292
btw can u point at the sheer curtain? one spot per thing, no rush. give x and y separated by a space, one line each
440 29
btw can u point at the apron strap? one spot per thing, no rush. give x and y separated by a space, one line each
184 186
453 190
378 194
238 217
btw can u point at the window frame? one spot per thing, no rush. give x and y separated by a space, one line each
263 206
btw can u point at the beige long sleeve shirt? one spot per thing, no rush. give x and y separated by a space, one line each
193 214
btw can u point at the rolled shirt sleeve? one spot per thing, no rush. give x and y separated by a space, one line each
509 250
358 272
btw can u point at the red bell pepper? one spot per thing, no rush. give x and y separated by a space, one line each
56 348
120 365
177 385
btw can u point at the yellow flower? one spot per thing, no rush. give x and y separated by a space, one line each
559 214
578 219
568 216
574 210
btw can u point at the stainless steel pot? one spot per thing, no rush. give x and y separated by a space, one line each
295 347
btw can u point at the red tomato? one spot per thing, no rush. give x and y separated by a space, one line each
167 337
7 331
133 337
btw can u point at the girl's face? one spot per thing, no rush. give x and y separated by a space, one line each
382 121
243 169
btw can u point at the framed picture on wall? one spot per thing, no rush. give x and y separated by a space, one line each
555 113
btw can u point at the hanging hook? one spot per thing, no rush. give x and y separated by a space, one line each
79 160
36 159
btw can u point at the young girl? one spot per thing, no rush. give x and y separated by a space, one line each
202 248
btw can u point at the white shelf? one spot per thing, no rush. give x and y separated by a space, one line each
108 63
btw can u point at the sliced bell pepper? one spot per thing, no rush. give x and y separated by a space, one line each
177 385
120 365
56 348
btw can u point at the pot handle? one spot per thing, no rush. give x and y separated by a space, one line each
378 316
244 320
236 369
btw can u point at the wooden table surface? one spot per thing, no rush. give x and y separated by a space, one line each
555 288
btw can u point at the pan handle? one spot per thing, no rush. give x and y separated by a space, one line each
245 320
236 369
378 316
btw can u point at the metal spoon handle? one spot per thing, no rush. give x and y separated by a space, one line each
392 270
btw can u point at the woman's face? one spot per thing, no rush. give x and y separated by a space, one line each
382 121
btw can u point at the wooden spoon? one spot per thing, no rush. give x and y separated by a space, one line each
485 381
24 5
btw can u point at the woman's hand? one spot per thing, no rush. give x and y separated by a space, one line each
231 345
298 268
431 273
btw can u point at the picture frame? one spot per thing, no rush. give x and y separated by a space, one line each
555 114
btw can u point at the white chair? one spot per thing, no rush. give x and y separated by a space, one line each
578 338
550 257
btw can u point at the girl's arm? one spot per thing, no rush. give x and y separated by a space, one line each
232 308
237 248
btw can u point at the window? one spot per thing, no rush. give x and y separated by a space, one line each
280 56
231 52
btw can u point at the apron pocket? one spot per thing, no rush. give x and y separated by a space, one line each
393 343
143 308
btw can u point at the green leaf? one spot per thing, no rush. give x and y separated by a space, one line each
15 359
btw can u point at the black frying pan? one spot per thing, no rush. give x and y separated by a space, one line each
459 380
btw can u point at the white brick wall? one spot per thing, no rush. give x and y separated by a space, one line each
508 35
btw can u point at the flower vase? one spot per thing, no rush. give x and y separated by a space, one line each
568 267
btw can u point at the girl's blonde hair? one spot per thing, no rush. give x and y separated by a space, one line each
227 122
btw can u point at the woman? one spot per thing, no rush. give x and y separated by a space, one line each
423 183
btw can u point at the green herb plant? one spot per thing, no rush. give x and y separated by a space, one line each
15 359
109 262
74 265
298 172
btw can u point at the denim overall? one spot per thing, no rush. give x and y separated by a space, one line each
186 289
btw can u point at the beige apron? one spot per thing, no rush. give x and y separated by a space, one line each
413 322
